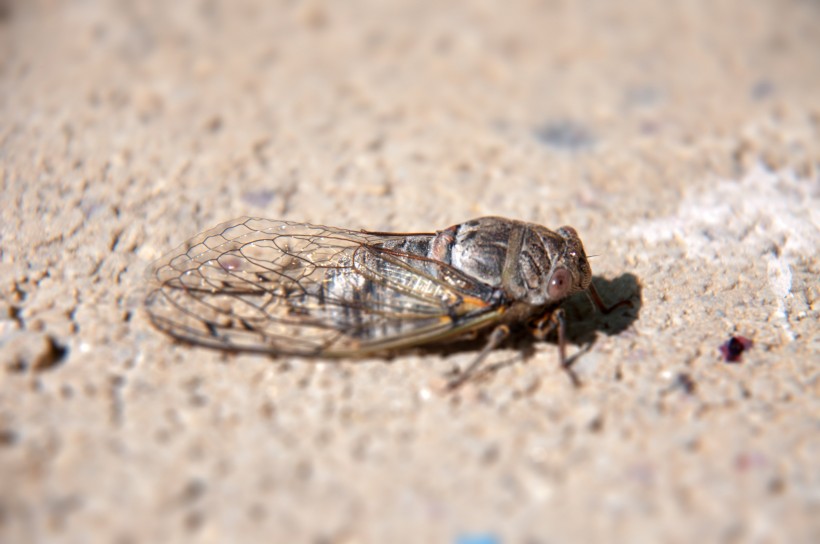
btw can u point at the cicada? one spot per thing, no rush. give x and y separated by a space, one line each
289 288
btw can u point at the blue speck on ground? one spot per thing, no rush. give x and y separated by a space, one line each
477 538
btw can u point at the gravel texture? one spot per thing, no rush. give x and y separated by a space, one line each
681 140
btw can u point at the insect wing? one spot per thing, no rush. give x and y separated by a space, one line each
294 288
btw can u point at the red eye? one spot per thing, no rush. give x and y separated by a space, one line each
560 284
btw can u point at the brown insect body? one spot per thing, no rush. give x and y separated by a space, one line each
294 288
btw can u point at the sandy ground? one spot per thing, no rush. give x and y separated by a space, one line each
680 139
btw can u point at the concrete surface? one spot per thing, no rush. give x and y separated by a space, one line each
680 139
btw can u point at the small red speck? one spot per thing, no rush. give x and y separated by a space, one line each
747 461
734 348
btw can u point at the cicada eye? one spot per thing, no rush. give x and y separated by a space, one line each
560 284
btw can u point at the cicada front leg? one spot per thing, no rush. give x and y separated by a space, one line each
555 320
593 295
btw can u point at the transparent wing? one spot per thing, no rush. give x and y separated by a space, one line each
294 288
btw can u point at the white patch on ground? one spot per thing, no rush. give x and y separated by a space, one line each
780 276
780 282
765 213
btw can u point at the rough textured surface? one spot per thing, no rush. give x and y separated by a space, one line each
680 139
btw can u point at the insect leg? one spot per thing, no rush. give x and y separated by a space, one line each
499 334
549 322
558 318
593 295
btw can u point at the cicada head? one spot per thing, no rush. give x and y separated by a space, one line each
565 269
574 260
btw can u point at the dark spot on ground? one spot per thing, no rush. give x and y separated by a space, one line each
565 135
733 349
